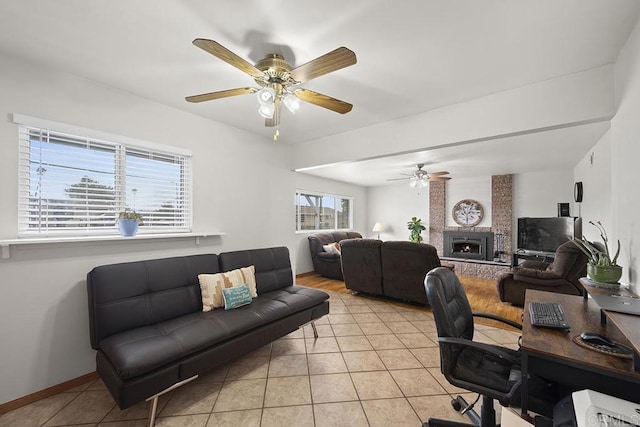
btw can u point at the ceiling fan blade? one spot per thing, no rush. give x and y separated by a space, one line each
440 178
438 173
275 120
221 94
219 51
327 63
325 101
398 179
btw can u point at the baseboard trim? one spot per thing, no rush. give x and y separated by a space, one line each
47 392
308 273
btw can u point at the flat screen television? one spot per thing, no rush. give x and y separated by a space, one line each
544 235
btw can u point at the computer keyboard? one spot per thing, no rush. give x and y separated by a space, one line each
548 315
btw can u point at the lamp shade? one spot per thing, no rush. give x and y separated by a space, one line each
378 227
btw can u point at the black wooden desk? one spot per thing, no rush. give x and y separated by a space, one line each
551 354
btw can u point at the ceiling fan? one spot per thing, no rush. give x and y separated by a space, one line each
278 81
421 178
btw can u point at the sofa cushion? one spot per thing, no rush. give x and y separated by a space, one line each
273 266
141 350
211 285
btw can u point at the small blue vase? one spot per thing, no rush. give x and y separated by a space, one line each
128 227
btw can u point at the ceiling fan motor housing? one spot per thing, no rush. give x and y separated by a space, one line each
275 69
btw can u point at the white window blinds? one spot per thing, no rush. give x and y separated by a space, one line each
73 185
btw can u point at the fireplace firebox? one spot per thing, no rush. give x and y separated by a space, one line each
468 245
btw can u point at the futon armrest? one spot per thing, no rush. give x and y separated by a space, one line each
499 319
486 348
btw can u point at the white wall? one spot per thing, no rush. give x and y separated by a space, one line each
538 194
625 143
243 185
394 205
302 261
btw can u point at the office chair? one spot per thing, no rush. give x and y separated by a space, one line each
490 370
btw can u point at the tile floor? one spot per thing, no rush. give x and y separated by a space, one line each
376 363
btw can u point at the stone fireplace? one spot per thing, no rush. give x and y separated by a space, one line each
468 245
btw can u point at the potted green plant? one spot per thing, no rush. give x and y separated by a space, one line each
416 228
601 267
128 222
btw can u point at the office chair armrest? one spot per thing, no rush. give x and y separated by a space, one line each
499 319
487 348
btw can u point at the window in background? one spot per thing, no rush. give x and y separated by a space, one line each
315 212
74 185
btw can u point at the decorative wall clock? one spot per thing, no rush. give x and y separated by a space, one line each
467 213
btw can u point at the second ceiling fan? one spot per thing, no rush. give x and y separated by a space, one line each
278 81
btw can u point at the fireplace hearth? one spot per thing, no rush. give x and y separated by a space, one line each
464 245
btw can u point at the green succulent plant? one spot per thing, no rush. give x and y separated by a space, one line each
597 253
416 228
130 215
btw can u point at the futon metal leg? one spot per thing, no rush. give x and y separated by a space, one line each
153 406
315 331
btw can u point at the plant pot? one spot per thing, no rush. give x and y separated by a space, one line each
602 274
128 227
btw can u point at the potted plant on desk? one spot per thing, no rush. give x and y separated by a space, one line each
128 222
601 267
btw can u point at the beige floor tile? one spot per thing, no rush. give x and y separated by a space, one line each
399 359
324 320
416 382
287 347
323 331
375 385
336 319
332 388
391 317
416 340
358 309
385 342
338 308
366 317
347 329
341 414
359 361
354 343
295 334
192 398
381 307
390 412
436 407
183 421
479 336
37 413
249 418
501 336
265 350
404 327
88 407
326 363
429 357
248 368
417 316
215 375
97 385
242 394
451 389
353 300
374 328
322 345
285 391
299 416
287 366
139 411
426 326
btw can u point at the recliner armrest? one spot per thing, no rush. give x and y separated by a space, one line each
526 273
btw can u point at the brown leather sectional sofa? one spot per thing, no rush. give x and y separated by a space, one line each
393 269
325 263
149 330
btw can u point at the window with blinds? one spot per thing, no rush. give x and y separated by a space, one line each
71 185
316 212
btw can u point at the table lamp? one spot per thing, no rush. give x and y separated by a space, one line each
378 227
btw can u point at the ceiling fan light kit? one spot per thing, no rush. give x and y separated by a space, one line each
420 178
280 82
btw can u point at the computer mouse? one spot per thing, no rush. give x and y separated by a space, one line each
593 338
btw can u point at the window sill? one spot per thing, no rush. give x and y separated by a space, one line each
6 244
